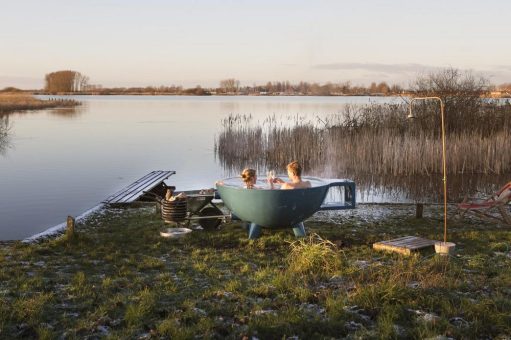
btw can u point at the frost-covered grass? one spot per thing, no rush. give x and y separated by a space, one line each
119 279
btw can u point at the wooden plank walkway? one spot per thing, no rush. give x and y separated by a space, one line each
136 189
404 245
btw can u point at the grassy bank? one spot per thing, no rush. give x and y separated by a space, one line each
119 279
10 102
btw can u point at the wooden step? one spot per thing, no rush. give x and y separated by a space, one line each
405 245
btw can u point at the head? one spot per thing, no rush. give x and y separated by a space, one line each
249 177
294 169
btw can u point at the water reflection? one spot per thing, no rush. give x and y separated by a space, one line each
428 188
68 112
5 140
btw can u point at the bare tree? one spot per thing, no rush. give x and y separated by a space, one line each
230 85
461 92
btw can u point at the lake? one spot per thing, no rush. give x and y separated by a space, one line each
61 162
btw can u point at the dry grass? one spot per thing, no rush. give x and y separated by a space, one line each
388 153
373 143
14 101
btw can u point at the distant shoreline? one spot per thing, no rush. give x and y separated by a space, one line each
239 95
214 95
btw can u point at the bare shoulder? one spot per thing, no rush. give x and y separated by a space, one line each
285 186
303 185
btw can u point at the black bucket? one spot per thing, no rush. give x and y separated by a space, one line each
174 211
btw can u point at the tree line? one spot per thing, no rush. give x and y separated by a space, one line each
75 82
68 81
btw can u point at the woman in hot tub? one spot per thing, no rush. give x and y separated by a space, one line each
249 177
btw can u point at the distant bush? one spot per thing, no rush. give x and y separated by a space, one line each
10 89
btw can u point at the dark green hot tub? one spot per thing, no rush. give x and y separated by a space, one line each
275 208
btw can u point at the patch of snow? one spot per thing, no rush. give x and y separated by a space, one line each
312 308
413 285
224 294
199 311
361 264
264 311
353 326
103 329
459 322
425 316
400 331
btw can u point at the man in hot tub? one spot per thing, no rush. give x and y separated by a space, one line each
294 171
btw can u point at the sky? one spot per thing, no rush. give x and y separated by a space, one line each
158 42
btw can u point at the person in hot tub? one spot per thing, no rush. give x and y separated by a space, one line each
249 177
294 171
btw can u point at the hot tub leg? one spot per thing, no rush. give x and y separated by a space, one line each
299 229
254 231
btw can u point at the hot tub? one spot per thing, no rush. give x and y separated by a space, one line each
276 208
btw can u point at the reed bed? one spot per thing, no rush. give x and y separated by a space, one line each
372 141
10 102
387 153
5 128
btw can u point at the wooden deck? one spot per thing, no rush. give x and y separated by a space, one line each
133 191
404 245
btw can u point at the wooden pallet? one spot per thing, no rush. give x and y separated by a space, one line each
136 189
405 245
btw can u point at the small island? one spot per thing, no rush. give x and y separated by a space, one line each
11 101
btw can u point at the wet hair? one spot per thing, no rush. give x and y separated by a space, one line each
248 174
295 168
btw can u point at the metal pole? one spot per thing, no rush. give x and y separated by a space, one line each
444 162
444 169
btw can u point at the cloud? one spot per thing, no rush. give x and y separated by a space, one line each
497 74
375 67
501 67
369 72
406 72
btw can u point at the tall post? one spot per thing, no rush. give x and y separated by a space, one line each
70 230
444 168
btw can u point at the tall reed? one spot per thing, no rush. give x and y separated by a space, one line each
374 140
5 127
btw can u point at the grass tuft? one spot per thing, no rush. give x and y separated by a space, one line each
313 257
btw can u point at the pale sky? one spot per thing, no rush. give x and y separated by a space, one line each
157 42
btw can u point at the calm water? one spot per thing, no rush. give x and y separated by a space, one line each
63 162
